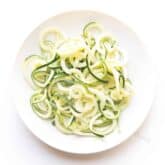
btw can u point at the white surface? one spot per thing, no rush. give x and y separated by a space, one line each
131 119
18 145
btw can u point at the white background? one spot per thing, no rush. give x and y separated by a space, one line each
18 145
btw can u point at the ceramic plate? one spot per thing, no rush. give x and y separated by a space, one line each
139 67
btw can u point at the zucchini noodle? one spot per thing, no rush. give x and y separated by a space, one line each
81 85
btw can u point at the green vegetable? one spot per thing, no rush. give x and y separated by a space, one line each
79 84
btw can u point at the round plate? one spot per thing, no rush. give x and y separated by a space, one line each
139 67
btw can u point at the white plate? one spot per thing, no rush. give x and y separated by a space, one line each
140 69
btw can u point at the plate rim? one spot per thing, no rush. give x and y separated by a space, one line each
60 13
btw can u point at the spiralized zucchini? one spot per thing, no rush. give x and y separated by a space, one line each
81 84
